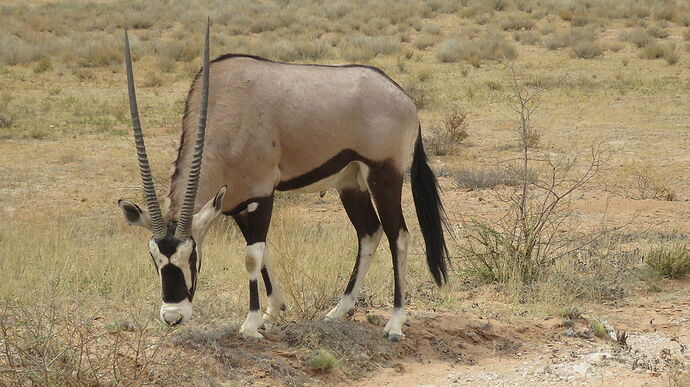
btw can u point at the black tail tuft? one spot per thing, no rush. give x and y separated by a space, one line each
430 212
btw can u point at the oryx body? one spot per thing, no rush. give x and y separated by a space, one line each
277 126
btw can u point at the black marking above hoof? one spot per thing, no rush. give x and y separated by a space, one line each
394 338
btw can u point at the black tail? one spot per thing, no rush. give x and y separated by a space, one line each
430 212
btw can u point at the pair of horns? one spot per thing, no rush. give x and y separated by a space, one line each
184 224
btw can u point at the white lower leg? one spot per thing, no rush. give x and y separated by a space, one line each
253 260
393 329
275 300
347 302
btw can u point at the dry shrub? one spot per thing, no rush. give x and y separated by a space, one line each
14 51
527 37
566 15
141 20
5 121
104 53
647 184
445 139
581 20
686 34
425 41
154 80
665 13
287 51
432 29
638 37
419 92
272 21
586 50
361 47
615 46
180 50
525 245
46 345
337 9
516 22
483 178
165 64
43 65
570 37
658 31
658 50
490 46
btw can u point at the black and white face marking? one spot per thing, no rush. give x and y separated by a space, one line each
178 265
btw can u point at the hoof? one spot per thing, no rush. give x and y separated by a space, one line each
252 336
283 308
351 312
394 338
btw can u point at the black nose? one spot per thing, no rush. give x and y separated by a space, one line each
174 322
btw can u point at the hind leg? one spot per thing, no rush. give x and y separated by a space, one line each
357 204
385 183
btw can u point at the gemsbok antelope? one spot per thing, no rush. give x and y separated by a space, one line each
256 126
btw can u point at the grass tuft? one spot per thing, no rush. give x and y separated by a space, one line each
599 329
669 261
323 361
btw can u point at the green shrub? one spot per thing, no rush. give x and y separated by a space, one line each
599 329
323 361
671 261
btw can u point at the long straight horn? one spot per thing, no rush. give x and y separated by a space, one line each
159 229
184 224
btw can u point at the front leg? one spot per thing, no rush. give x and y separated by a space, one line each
252 260
254 224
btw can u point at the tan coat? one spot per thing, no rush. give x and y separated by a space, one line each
269 123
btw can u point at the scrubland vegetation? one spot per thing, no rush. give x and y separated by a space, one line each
532 111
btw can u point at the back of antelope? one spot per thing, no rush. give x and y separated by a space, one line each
263 126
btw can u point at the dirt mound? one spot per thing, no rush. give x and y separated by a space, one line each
282 357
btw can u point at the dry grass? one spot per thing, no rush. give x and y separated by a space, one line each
490 46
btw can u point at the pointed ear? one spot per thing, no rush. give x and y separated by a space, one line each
134 215
202 219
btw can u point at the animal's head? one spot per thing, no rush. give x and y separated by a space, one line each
175 246
176 253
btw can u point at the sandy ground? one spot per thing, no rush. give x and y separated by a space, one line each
545 353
